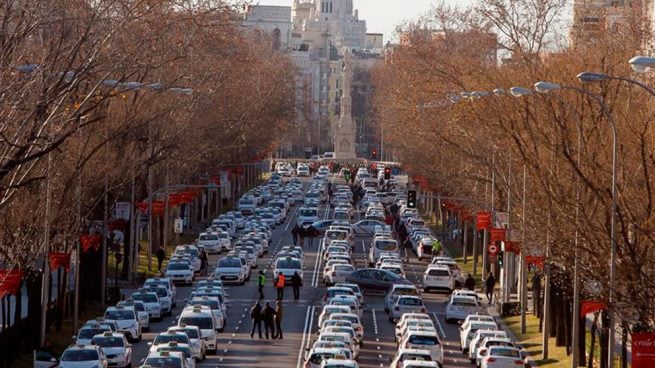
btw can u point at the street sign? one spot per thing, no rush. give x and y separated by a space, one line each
492 249
179 226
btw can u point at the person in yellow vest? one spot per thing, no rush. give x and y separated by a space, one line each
279 284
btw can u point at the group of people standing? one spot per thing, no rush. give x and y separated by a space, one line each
300 233
270 317
280 283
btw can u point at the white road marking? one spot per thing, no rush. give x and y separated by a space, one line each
439 327
375 322
309 317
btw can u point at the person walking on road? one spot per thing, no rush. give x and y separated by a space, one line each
301 235
296 282
436 248
202 254
278 320
256 317
161 254
268 316
279 285
490 284
261 282
470 283
294 234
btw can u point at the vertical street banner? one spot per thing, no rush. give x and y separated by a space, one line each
643 350
483 221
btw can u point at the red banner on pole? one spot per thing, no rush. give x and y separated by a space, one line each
483 221
186 197
60 260
643 350
497 234
537 261
590 306
88 241
143 207
513 246
174 199
10 281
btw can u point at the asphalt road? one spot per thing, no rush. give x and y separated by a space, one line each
237 349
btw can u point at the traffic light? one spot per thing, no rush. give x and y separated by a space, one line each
387 173
411 199
374 154
501 258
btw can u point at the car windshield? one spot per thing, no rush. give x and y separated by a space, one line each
341 216
406 291
308 212
438 272
385 245
79 355
108 342
423 340
510 353
410 301
288 264
464 302
204 323
119 314
166 338
192 333
87 333
213 304
337 235
344 268
208 237
161 292
229 263
190 251
178 266
163 362
137 306
145 297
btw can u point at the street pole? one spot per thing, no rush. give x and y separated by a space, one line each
546 319
103 266
611 306
524 265
506 265
575 350
130 259
167 211
45 295
150 216
465 237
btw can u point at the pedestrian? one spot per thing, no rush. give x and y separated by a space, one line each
294 234
470 282
296 282
311 232
490 284
279 285
268 316
408 248
278 320
301 235
161 254
256 317
202 254
261 282
436 248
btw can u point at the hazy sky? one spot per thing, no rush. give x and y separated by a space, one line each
382 16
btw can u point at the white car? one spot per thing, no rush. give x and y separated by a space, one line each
477 339
307 215
179 272
402 304
86 333
413 325
210 241
151 302
173 359
315 357
205 322
230 270
339 363
127 321
328 311
404 354
195 340
78 356
288 266
303 170
215 306
459 307
338 273
165 282
398 289
502 357
342 337
115 347
487 343
466 332
184 349
349 301
419 364
438 277
355 288
141 312
352 318
426 340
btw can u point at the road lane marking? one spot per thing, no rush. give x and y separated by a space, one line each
317 264
375 322
436 318
305 335
363 247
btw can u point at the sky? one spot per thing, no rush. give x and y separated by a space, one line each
382 16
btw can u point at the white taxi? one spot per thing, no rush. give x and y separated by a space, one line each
438 277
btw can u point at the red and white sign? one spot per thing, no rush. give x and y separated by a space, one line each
497 234
483 221
492 249
643 350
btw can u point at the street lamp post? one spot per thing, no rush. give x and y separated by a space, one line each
587 77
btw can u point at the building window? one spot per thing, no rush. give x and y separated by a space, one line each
330 6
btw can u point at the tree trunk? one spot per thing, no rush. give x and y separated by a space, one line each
604 339
582 341
592 349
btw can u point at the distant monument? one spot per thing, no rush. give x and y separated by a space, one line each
344 132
